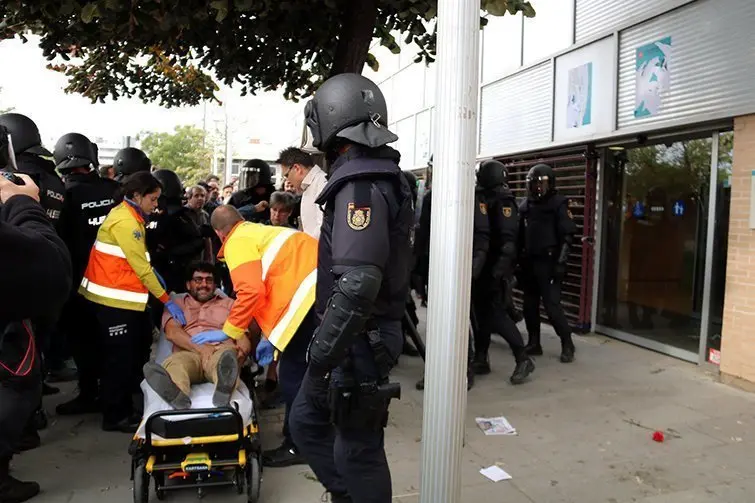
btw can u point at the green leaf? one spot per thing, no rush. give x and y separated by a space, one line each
372 62
89 12
222 7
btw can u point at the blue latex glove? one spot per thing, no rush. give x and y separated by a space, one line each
161 280
176 312
265 352
209 336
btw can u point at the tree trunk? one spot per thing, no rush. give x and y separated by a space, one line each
357 28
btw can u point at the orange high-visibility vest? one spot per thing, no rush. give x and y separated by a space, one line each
119 273
274 273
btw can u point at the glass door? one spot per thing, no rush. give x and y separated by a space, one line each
653 243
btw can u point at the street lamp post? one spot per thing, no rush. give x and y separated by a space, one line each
450 250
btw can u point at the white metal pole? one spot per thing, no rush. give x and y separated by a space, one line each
450 250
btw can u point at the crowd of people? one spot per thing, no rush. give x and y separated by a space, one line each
311 279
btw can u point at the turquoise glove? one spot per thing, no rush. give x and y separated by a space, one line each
176 312
264 353
209 336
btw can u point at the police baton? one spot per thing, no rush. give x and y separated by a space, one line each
414 335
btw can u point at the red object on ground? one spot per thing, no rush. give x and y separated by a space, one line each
658 436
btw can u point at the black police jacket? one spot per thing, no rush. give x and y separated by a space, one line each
545 226
503 216
248 197
480 235
173 242
367 220
51 187
88 200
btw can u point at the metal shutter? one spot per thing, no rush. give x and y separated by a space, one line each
576 176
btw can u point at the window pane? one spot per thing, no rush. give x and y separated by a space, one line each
502 46
549 31
424 130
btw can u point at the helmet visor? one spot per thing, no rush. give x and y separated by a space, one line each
537 186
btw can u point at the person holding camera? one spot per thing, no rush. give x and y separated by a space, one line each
36 268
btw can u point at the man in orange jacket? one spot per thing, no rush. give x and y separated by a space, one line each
274 273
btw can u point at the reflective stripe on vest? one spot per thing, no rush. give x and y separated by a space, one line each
114 293
273 248
298 302
114 250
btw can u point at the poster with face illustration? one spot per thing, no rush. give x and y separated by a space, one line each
652 77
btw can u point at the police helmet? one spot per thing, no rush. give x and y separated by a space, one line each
25 134
541 181
130 160
96 152
74 150
348 106
6 152
492 174
255 172
172 187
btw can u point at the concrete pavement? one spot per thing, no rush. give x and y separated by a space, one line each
584 436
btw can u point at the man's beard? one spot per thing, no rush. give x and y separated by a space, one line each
202 295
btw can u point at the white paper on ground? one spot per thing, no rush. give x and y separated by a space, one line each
495 426
495 473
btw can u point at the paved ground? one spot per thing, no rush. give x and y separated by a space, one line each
582 438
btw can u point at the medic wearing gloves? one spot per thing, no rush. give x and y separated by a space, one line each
274 274
118 281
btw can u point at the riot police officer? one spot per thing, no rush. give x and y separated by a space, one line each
27 145
362 283
411 306
255 188
546 232
130 160
490 292
88 200
173 238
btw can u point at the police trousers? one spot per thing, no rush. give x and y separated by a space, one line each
493 317
123 336
292 368
19 398
346 461
538 282
80 325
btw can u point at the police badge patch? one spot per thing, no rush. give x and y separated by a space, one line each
483 208
506 212
358 218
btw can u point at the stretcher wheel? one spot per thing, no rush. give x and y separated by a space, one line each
239 480
159 483
141 482
253 479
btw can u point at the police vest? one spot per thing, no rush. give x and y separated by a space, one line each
387 178
540 225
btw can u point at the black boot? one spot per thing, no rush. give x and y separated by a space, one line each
12 490
127 425
481 364
82 404
29 440
48 390
533 347
285 455
524 367
420 384
340 498
470 377
567 350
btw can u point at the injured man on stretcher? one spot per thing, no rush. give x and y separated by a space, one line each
195 359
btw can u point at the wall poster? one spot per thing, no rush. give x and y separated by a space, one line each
579 112
652 77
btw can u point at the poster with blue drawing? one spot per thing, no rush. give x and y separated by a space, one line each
652 77
579 112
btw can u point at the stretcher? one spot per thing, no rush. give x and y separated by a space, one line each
197 448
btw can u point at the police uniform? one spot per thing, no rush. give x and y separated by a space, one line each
89 199
547 232
490 292
339 415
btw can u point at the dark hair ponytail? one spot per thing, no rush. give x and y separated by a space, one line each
141 182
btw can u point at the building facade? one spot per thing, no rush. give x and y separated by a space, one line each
646 109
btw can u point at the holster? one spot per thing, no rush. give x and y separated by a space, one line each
364 406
